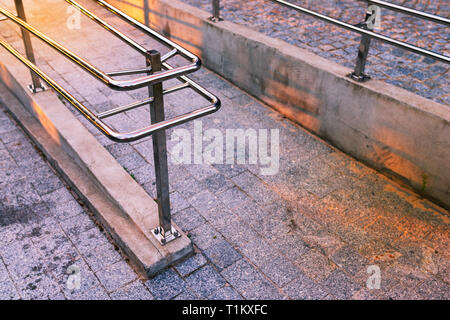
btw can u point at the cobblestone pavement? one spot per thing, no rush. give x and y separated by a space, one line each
309 232
413 72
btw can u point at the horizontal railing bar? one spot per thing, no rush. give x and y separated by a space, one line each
114 84
176 88
167 56
107 130
138 104
400 44
128 72
127 107
148 31
410 11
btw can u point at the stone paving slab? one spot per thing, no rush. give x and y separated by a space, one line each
311 231
421 75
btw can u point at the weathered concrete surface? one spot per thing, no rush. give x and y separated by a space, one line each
309 232
391 129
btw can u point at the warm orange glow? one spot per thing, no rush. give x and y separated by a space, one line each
46 123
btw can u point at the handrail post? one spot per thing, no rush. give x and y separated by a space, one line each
215 11
165 232
36 85
364 46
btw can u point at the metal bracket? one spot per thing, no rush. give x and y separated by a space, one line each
216 11
215 19
34 89
360 78
166 237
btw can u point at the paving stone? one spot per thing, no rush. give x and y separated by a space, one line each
101 257
205 236
7 289
93 294
340 285
177 202
77 225
205 281
242 275
188 219
66 210
116 275
186 296
166 285
304 288
188 187
143 174
228 170
218 183
350 260
225 293
233 198
118 150
88 240
133 291
42 287
315 265
263 290
131 161
222 255
190 265
57 197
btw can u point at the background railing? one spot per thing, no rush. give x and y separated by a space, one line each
366 28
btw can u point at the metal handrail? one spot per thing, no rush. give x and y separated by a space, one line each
103 76
369 33
169 73
157 70
410 11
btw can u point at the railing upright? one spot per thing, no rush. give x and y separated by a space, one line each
36 85
165 232
216 11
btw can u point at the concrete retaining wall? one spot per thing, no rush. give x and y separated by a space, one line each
391 129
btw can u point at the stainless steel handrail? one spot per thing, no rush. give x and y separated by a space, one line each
169 73
410 11
157 70
369 33
112 83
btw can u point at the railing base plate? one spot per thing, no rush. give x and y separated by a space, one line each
174 234
360 78
33 89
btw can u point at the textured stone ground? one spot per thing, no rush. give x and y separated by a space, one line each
401 68
308 232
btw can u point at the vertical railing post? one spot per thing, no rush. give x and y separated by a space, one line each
36 85
165 232
216 11
364 46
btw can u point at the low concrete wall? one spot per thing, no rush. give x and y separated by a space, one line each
391 129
